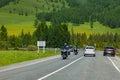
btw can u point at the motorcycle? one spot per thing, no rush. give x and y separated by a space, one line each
75 51
64 53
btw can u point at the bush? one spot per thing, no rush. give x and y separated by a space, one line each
3 45
16 48
32 48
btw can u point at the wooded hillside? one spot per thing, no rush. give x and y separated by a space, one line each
80 11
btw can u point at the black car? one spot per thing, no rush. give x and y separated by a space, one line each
109 50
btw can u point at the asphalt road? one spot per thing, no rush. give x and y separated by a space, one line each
76 67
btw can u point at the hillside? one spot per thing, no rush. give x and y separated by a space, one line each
97 28
107 12
27 7
20 14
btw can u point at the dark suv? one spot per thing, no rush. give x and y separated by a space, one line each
109 50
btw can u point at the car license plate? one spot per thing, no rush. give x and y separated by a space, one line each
109 51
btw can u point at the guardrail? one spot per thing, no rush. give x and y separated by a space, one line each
40 48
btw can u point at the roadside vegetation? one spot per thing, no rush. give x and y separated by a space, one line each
58 35
11 57
118 52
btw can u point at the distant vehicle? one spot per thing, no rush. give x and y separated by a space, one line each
75 50
64 53
109 50
89 50
70 49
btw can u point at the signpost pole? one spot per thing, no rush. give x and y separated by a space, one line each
43 49
38 49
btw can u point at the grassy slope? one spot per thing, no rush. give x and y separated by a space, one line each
31 6
15 23
98 28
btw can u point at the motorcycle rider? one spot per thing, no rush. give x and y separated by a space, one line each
75 49
65 47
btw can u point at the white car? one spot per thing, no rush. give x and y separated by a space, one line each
89 50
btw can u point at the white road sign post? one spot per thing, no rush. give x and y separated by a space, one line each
41 44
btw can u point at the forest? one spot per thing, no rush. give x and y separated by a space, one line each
80 11
6 2
55 36
75 11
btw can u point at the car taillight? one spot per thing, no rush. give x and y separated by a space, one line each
105 49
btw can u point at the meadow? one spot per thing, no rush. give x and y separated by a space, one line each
97 28
15 24
34 6
11 57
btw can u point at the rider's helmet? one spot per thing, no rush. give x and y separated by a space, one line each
65 44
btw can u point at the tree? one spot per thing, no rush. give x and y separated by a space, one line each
41 33
14 41
72 39
91 22
58 35
3 33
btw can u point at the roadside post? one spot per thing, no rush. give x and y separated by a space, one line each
55 50
41 44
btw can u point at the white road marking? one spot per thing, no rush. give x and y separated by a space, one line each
20 66
59 69
114 65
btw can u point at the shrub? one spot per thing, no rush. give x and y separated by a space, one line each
3 45
32 48
16 48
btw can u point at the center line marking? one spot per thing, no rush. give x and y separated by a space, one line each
59 69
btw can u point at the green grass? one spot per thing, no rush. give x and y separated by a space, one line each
118 54
98 28
34 6
15 23
11 57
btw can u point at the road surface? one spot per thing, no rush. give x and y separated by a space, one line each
76 67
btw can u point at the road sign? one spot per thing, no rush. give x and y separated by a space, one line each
41 44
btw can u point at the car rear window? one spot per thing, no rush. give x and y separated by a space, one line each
89 47
109 48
